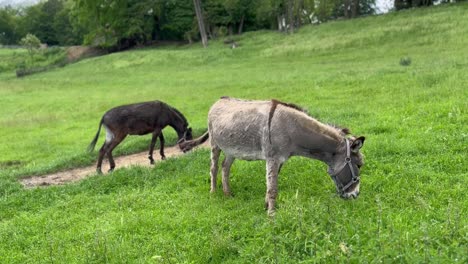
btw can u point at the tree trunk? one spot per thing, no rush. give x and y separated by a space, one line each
291 15
299 13
346 8
355 8
398 4
230 29
201 22
280 22
241 25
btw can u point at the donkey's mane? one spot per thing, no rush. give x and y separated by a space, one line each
274 104
331 130
179 114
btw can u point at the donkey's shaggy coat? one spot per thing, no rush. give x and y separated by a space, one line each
274 131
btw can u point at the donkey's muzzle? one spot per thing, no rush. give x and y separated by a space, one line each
351 195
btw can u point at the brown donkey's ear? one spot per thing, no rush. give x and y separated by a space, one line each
357 144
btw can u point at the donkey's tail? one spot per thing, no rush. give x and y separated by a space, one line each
93 143
187 145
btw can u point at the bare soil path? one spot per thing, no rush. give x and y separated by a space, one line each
64 177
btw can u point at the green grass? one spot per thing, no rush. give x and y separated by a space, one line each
413 204
19 59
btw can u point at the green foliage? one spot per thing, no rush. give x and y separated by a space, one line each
111 23
51 21
405 4
125 23
413 206
31 43
19 59
405 61
177 21
8 28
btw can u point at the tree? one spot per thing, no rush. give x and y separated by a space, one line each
8 30
201 22
31 43
354 8
238 12
39 20
119 24
404 4
175 21
67 30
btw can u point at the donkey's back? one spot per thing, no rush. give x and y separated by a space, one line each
136 119
239 127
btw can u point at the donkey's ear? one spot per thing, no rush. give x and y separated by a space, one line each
357 144
189 129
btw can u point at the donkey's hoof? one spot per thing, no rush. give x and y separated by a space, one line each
110 170
163 157
271 212
152 162
98 171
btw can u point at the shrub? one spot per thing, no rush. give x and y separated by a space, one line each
31 43
405 61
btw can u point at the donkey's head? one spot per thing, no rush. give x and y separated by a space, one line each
345 167
188 134
185 134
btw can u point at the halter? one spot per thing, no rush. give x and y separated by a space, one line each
348 162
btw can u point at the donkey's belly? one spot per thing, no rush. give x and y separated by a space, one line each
243 153
245 144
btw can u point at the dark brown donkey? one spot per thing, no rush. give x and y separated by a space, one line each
139 119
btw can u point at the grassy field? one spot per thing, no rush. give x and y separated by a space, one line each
413 206
12 59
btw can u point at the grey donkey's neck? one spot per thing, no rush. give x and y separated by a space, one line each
316 145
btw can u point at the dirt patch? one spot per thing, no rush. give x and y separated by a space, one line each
64 177
75 53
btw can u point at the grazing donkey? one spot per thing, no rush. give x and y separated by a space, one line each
139 119
274 131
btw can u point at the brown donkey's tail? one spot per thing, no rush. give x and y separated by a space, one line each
93 143
186 145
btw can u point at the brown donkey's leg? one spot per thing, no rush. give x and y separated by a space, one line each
215 152
116 141
102 152
161 143
227 162
156 133
273 166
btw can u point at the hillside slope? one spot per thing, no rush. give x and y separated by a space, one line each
413 206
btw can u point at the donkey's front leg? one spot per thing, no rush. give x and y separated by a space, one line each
228 160
161 148
272 169
215 152
156 133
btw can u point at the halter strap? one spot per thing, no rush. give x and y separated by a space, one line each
348 162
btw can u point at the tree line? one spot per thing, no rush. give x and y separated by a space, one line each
119 24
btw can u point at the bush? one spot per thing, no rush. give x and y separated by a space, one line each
31 43
405 61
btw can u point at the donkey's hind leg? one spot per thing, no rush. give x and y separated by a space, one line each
215 152
116 141
102 152
156 133
227 162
